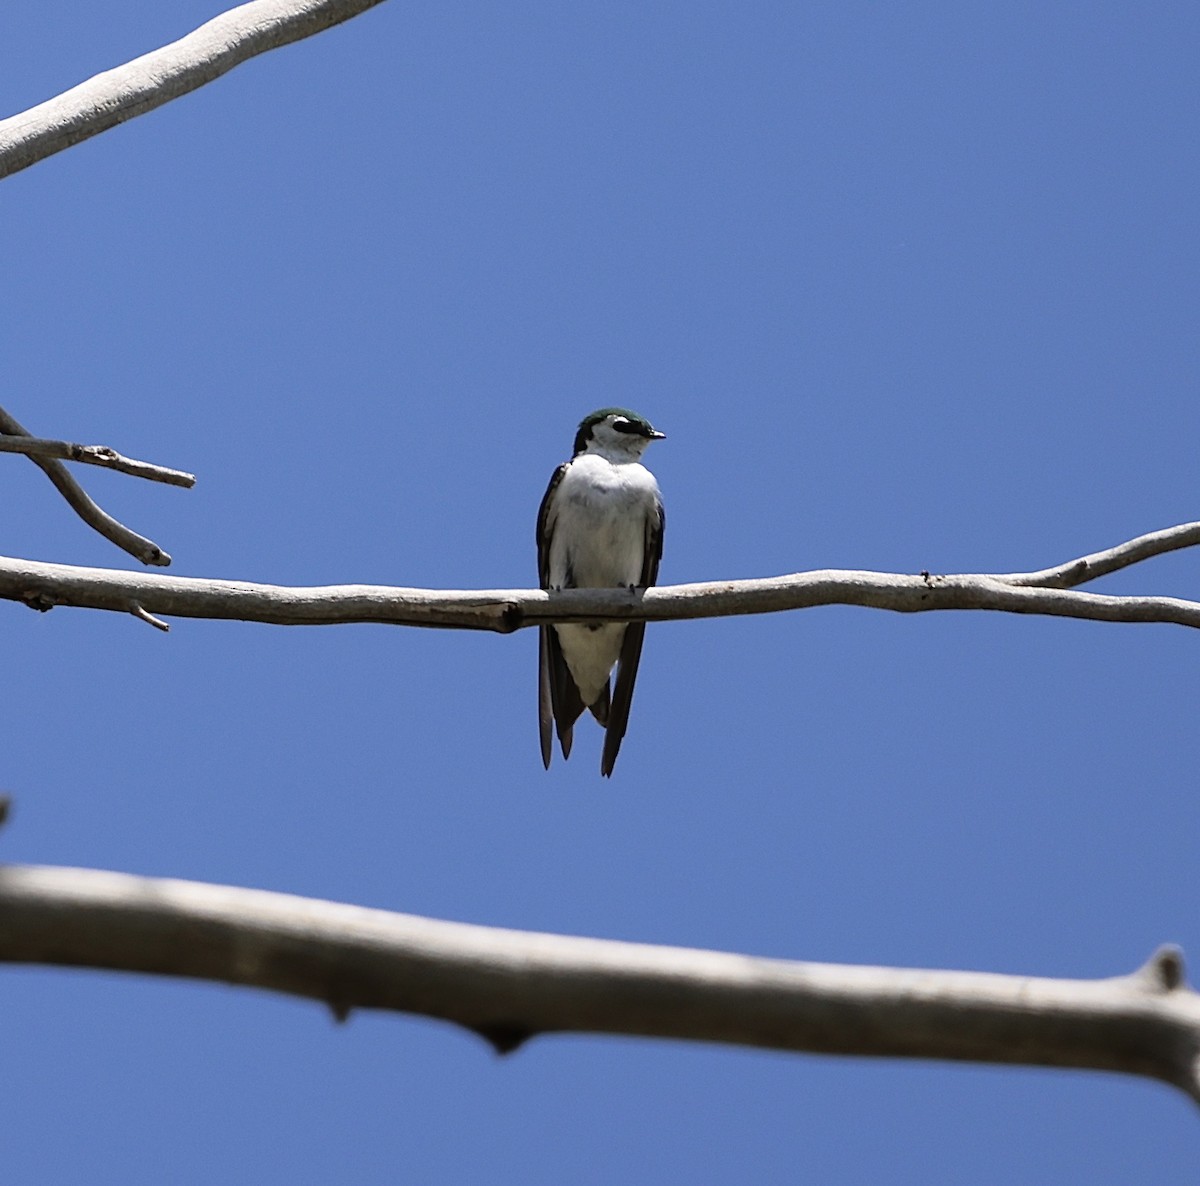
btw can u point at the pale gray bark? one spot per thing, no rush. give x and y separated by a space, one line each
43 586
100 455
138 546
509 985
156 78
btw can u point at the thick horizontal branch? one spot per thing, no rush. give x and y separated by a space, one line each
44 586
156 78
138 546
511 985
100 455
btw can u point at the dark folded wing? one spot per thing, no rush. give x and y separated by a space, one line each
545 526
558 698
565 703
631 648
545 697
618 713
656 524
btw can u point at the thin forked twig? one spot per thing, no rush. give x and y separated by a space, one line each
145 550
100 455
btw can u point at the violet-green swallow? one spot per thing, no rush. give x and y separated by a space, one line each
600 526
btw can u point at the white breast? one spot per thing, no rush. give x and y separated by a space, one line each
598 532
598 541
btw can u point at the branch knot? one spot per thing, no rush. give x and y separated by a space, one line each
38 599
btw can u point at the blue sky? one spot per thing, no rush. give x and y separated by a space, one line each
907 286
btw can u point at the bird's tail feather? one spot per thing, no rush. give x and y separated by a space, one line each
600 708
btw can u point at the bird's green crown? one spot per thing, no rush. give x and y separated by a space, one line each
637 424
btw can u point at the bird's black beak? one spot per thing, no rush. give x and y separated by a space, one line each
655 435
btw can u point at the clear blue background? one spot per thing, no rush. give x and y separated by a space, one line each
907 286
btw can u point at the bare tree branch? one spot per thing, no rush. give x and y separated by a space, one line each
1099 564
156 78
511 985
100 455
145 550
43 586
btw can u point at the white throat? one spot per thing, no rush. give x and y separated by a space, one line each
619 448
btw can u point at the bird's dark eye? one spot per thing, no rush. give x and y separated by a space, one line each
626 426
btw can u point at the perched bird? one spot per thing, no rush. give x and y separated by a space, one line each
600 526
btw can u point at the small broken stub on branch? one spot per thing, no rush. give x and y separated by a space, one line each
38 599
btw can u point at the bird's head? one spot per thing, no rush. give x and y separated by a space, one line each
617 433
